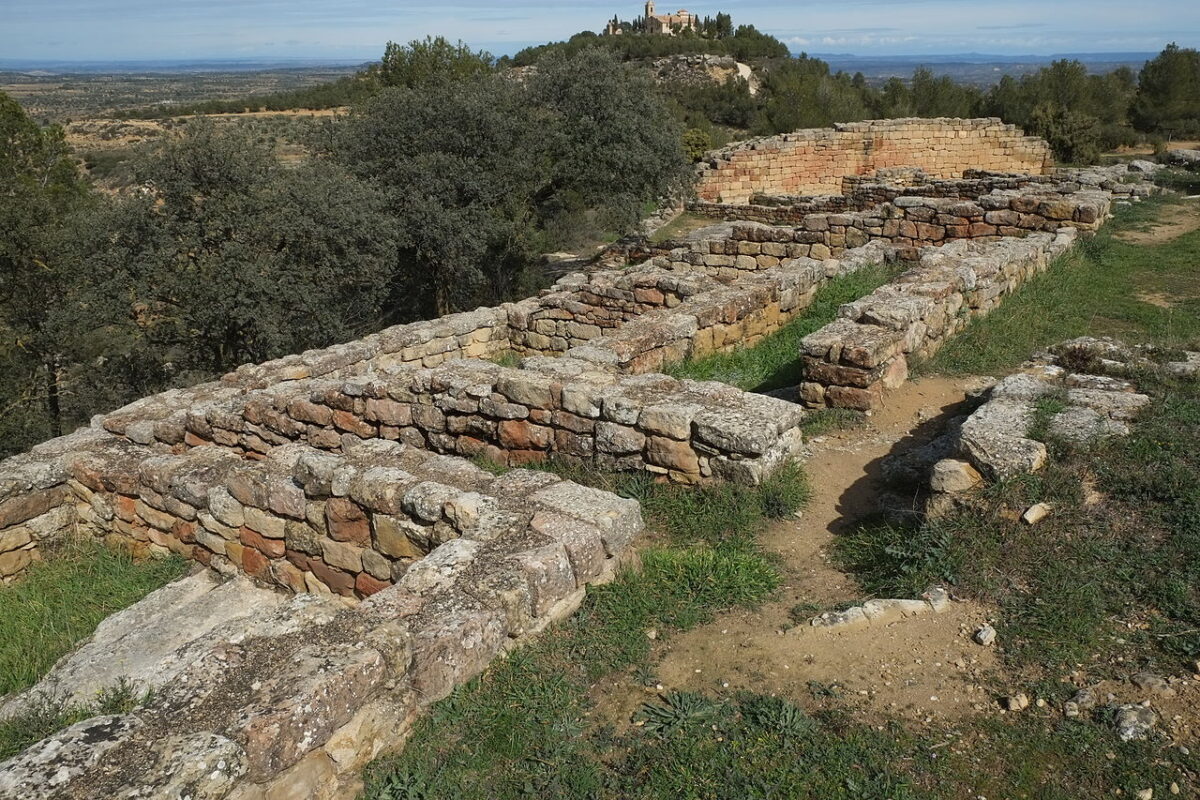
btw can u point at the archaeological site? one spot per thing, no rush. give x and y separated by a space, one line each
371 525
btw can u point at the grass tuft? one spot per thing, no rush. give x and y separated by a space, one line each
52 714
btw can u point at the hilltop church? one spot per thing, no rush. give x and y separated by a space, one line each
662 24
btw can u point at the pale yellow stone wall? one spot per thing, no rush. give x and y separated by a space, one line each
813 162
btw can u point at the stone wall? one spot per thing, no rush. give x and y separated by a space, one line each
813 162
350 523
907 222
852 361
297 701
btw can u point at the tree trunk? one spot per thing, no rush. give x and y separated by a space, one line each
54 396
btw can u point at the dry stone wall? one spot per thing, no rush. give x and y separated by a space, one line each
910 221
851 362
813 162
299 707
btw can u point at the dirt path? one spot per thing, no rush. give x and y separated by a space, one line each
1175 220
925 669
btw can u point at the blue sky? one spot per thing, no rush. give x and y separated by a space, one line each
358 29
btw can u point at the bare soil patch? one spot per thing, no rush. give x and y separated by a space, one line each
925 669
1176 219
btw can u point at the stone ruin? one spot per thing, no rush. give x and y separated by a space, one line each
347 477
1088 390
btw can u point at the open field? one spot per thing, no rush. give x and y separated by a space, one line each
58 97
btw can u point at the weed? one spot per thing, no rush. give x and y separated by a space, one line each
679 712
803 612
50 714
507 359
1045 408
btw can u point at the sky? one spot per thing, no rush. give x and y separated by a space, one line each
350 30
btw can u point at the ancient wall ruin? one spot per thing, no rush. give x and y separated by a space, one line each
345 471
814 161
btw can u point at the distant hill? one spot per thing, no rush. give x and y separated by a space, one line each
977 69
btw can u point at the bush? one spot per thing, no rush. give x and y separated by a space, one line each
696 144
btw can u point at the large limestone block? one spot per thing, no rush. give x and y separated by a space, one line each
995 443
151 642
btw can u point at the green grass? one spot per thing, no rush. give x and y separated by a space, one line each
1095 290
774 363
51 715
680 227
1039 755
62 600
521 730
1045 408
1068 584
508 359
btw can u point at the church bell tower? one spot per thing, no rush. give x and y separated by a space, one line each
650 9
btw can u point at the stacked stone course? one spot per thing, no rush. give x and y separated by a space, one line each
907 222
814 161
852 361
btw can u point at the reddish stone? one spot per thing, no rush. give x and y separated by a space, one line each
340 582
255 563
273 548
26 507
649 296
518 434
857 399
389 412
192 440
366 585
126 508
300 560
184 531
837 375
348 422
310 412
203 556
346 521
324 438
86 472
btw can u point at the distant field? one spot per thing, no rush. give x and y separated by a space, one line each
982 71
59 97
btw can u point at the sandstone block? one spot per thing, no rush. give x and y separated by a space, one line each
672 455
954 476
